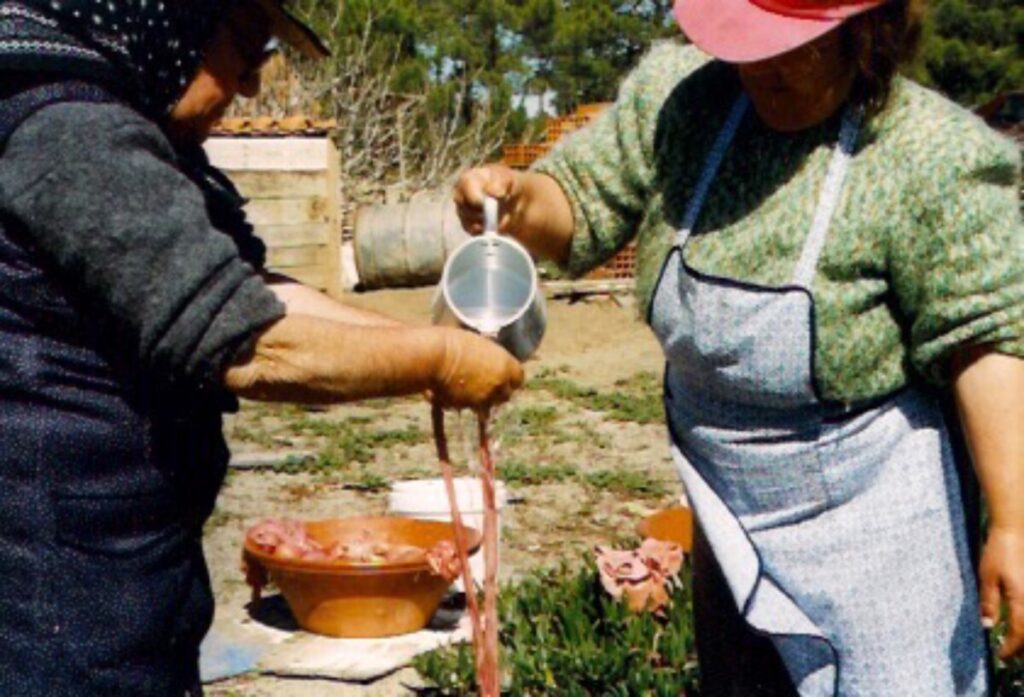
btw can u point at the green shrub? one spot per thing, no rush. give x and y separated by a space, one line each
1009 678
562 634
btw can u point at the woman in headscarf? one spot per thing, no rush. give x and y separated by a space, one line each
821 245
134 308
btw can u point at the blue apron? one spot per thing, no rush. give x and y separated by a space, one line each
839 529
106 478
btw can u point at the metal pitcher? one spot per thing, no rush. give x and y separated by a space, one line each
490 286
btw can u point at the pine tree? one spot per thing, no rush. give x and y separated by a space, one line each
974 49
593 43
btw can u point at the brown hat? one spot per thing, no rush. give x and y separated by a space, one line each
292 31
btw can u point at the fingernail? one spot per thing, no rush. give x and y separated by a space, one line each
988 622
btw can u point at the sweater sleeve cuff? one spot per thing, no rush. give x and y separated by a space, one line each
584 253
238 306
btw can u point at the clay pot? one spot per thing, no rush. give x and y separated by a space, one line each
357 600
670 525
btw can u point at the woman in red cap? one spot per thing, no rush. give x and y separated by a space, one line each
822 248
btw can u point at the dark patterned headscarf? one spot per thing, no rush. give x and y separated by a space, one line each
148 49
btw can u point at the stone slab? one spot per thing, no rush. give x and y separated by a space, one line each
268 641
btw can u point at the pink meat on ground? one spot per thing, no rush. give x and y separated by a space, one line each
642 576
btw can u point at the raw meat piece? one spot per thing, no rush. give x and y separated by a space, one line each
444 561
271 535
642 576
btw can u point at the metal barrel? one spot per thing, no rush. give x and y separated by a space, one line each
405 245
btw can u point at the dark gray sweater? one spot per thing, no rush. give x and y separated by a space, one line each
99 193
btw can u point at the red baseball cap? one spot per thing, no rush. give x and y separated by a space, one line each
746 31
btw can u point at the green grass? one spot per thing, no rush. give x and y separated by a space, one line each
411 435
533 422
356 443
521 473
346 442
293 464
539 426
637 399
249 434
585 434
620 481
369 482
617 481
326 460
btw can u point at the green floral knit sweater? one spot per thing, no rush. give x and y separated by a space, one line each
925 253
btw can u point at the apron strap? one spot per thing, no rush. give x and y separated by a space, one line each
711 165
828 202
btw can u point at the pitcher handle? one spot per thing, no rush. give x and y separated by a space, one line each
490 216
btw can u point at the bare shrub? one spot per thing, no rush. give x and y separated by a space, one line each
402 141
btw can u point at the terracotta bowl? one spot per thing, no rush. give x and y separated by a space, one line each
363 600
670 525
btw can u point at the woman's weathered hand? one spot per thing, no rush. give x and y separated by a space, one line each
495 180
1002 581
475 372
532 208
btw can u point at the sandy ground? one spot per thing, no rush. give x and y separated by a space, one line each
601 340
580 474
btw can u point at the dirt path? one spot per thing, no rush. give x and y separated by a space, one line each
582 450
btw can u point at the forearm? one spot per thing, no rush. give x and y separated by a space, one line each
989 390
300 299
312 360
542 218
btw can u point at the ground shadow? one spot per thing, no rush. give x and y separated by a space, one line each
449 612
273 611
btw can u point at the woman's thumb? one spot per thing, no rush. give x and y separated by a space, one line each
499 183
990 596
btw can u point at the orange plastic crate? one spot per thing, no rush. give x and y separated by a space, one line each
592 110
559 127
622 265
522 155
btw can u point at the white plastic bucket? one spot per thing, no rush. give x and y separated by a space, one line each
427 499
